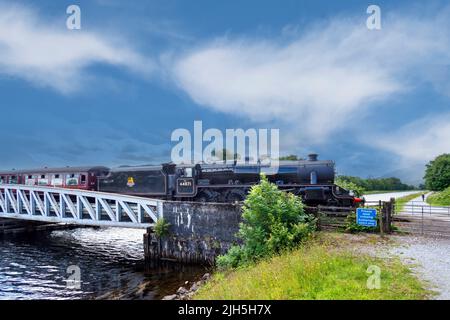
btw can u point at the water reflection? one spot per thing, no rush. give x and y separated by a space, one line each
110 260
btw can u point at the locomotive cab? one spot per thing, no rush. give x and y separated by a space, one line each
185 181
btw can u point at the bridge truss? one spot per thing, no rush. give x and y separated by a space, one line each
81 207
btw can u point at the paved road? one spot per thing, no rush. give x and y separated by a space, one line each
388 196
417 205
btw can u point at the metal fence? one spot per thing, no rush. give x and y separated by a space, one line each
417 218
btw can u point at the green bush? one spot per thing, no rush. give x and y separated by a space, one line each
440 198
349 185
437 174
273 221
162 228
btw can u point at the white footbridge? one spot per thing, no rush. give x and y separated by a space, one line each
80 207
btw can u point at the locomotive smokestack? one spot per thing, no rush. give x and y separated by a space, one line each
313 157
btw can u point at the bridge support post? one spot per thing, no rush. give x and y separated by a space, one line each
152 250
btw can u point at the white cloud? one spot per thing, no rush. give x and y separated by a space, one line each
316 82
419 141
51 55
414 145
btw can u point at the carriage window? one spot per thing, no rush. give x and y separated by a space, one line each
83 179
71 179
13 180
30 177
2 179
56 176
43 176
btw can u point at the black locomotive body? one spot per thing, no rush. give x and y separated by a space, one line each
311 179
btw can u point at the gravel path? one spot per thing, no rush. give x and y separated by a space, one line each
430 260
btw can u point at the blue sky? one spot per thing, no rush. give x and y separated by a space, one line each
376 102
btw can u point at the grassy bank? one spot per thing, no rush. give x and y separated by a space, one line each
326 268
400 202
440 198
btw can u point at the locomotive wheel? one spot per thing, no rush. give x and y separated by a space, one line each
206 196
236 195
202 197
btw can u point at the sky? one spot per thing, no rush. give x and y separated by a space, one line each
377 102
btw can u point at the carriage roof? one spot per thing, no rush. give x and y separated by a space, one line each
88 169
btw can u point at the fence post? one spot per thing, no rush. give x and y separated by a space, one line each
319 227
389 213
381 213
422 220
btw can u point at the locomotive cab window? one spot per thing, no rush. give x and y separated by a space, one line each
188 172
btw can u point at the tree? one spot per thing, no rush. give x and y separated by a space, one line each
349 185
437 173
291 157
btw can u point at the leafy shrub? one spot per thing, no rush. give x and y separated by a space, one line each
162 228
273 221
440 198
349 185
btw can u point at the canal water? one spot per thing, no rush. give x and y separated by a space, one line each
110 264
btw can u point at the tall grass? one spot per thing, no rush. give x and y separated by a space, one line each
440 198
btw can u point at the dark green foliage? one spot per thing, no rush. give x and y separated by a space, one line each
380 184
350 186
162 228
273 221
291 157
437 174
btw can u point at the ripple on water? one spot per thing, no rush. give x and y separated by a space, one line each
110 260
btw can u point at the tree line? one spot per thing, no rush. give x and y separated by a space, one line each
377 184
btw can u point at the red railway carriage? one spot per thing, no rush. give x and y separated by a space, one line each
68 177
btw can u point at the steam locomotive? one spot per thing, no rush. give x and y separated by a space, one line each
311 179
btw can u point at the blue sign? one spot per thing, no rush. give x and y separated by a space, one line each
366 217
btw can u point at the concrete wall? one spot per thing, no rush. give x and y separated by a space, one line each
199 232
